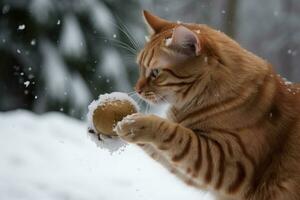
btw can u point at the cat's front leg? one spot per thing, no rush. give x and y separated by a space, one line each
138 128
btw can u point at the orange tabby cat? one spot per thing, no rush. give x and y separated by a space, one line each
233 127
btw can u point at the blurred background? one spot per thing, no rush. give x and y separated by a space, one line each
58 55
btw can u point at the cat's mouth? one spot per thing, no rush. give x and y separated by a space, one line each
153 98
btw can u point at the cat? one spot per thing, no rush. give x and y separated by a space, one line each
233 126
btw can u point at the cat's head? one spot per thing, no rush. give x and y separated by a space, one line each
181 60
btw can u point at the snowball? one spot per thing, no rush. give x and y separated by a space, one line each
111 143
103 98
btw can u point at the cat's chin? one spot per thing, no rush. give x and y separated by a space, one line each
154 101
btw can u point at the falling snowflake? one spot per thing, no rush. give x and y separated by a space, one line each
33 42
26 83
21 27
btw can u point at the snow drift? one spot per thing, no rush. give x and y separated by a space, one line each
51 157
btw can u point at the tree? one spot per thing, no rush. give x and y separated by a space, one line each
60 54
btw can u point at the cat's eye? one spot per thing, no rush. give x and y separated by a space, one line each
154 73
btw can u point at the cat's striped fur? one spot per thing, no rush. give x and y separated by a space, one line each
233 127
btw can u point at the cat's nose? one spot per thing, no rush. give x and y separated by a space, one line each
140 85
138 89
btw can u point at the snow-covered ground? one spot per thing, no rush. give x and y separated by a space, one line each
51 157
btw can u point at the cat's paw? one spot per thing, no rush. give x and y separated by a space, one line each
137 128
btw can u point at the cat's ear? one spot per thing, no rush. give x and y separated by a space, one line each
154 23
185 40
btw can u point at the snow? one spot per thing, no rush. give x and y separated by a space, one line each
21 27
72 39
50 157
113 144
103 98
168 41
26 83
32 42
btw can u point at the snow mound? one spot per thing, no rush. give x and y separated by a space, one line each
50 157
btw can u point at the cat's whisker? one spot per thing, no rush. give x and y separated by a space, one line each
131 93
119 27
164 99
117 41
122 45
147 107
130 58
128 34
137 98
